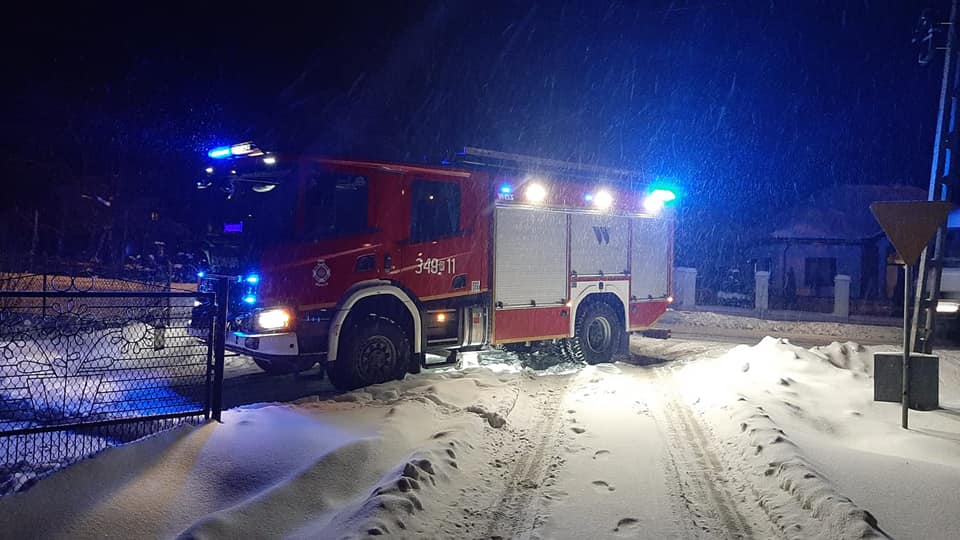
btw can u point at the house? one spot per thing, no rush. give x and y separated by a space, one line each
833 232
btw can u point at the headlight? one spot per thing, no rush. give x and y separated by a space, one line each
946 306
274 319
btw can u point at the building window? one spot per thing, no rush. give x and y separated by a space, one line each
436 210
819 271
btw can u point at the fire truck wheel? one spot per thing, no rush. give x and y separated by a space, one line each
598 331
375 350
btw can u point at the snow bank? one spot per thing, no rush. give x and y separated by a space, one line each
792 411
368 462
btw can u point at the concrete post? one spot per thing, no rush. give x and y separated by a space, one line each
841 295
685 287
762 296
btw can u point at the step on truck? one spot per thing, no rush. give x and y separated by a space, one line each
366 267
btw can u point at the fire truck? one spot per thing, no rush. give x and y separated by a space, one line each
365 267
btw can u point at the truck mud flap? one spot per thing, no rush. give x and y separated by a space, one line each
656 333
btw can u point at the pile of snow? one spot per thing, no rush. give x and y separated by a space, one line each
811 433
373 462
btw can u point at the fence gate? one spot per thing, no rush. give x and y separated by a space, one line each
83 369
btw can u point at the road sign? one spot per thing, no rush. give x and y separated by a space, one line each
910 225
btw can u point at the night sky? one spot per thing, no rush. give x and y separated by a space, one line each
749 106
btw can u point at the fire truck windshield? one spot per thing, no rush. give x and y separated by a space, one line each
245 216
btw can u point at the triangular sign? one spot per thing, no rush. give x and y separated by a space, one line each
911 224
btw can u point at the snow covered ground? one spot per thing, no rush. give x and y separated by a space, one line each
694 439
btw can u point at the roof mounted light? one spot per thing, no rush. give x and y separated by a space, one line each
657 199
242 149
220 152
239 149
535 193
603 199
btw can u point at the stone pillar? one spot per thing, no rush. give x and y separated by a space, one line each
841 295
685 287
762 295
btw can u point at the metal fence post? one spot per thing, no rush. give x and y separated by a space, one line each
219 341
43 309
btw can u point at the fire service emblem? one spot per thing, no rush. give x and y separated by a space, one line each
321 273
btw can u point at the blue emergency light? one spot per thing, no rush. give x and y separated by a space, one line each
253 279
250 299
657 199
506 189
239 149
220 152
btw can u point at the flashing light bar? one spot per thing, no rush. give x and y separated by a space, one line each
240 149
219 152
657 199
250 299
253 279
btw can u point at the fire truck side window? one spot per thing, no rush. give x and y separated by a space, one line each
436 210
335 204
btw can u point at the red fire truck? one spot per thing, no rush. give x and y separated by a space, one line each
366 266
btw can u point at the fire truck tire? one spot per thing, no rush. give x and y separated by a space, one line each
597 333
374 350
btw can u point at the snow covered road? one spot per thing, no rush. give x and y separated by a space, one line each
692 440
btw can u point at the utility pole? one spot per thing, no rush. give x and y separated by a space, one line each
943 175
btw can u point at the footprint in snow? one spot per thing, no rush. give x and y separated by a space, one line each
627 525
601 454
577 429
602 486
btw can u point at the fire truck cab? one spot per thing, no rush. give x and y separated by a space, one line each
371 264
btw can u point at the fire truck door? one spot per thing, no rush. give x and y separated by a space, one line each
437 259
651 259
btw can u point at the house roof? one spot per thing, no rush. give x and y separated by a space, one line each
842 212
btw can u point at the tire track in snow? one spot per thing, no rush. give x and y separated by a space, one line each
514 514
704 487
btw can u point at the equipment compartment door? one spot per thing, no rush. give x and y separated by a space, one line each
652 258
598 244
530 258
